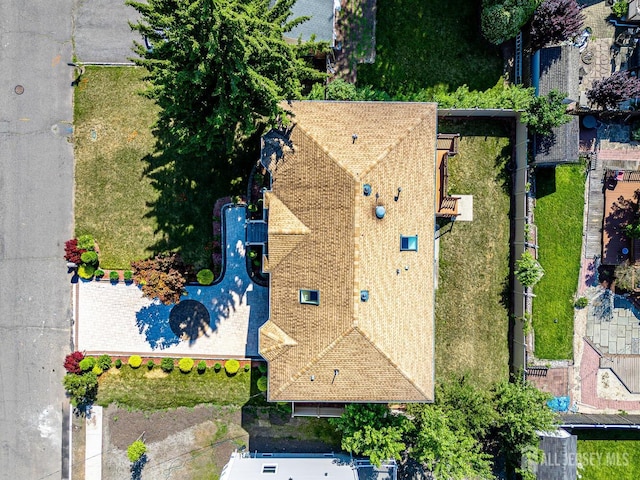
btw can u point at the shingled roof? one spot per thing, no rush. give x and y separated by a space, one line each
324 235
559 67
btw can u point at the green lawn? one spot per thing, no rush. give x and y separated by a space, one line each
609 459
422 43
141 389
558 216
112 135
133 204
472 317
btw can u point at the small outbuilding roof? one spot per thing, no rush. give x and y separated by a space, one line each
559 71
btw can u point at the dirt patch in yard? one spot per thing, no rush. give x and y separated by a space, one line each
195 443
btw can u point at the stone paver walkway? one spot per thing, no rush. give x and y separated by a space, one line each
613 324
117 319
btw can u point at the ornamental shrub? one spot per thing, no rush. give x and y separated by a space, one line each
247 367
161 277
205 277
582 302
86 242
618 87
262 368
202 366
620 8
167 365
150 364
528 271
71 251
262 384
128 275
555 21
118 363
217 367
503 20
86 271
99 273
82 389
97 370
71 362
232 366
135 361
89 258
114 276
185 364
104 362
136 450
87 364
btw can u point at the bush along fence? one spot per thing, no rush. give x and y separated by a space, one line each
81 381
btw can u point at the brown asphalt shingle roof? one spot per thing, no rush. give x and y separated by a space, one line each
323 235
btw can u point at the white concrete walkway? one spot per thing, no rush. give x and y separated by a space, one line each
93 445
117 319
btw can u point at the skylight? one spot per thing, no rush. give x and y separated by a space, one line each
310 297
409 243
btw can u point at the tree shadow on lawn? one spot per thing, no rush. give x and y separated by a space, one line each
188 186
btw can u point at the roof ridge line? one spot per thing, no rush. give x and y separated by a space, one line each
388 358
316 359
325 150
400 139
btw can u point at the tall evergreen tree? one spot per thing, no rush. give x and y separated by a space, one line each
218 70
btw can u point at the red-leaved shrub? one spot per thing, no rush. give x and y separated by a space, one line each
162 277
72 362
71 251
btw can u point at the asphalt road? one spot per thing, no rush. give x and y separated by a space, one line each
101 31
36 203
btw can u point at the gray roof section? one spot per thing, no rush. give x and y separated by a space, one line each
321 22
562 146
298 466
559 71
583 419
560 451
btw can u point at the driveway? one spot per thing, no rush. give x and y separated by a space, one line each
101 31
218 321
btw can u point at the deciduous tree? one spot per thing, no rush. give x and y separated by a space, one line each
546 112
555 21
371 430
446 451
522 413
608 93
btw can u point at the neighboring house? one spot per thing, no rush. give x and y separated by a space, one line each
321 23
634 11
304 466
560 450
559 67
350 252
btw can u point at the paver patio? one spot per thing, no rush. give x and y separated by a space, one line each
117 319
